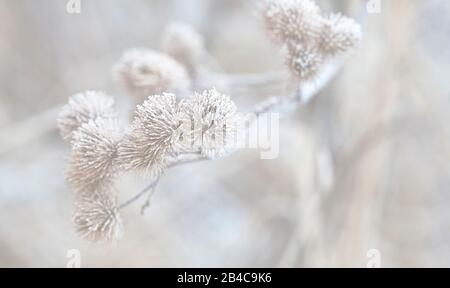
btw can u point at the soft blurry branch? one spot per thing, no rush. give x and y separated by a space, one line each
314 44
249 81
301 96
18 134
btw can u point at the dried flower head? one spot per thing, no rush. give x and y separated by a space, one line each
82 108
96 217
94 153
184 44
209 123
288 21
303 63
309 38
339 35
146 72
151 137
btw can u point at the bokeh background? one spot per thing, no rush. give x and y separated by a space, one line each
365 165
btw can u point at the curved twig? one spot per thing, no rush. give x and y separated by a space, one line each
301 96
150 195
139 195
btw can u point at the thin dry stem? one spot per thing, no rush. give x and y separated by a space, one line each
147 189
182 159
301 96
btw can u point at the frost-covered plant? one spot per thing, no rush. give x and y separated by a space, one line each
93 158
209 123
82 108
96 216
185 45
175 124
303 63
145 72
152 136
338 35
291 21
101 149
309 38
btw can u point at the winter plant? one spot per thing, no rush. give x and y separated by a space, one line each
180 117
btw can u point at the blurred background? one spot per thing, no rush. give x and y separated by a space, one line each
365 165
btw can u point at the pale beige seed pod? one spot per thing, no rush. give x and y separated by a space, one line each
96 217
93 160
339 35
144 72
291 21
310 39
151 137
304 63
82 108
210 123
184 44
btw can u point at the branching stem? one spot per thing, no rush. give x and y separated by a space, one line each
254 80
147 189
184 158
151 191
301 96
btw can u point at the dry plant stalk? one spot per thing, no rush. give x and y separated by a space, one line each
174 123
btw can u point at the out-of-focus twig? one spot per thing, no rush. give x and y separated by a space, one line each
301 96
147 189
187 158
305 92
20 133
257 79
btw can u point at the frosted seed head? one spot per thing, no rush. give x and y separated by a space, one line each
145 72
92 164
310 39
339 35
82 108
209 123
291 21
151 136
303 63
184 44
96 217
